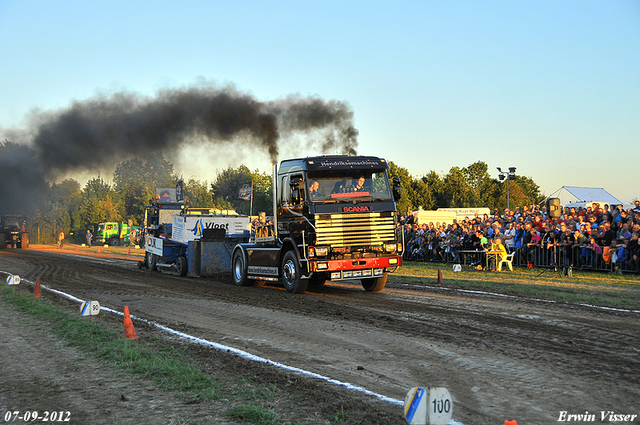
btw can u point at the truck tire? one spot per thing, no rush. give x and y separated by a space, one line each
239 269
374 284
3 241
152 260
114 242
291 276
24 240
182 265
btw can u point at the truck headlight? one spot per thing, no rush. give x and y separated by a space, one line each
390 247
322 251
393 261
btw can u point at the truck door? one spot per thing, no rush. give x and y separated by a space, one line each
291 204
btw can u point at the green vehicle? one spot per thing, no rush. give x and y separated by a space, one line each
117 234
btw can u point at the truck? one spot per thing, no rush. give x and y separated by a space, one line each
13 232
334 219
117 234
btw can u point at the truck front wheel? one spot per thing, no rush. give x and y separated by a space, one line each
239 269
291 277
374 284
114 242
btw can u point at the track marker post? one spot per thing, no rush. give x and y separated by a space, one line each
428 406
13 279
90 308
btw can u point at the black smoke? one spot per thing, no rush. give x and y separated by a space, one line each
100 132
22 183
103 130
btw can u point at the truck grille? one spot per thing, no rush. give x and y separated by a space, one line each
357 229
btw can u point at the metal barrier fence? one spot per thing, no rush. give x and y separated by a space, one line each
537 256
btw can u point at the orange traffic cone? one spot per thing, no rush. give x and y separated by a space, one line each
129 331
439 277
36 290
510 423
98 250
77 247
129 251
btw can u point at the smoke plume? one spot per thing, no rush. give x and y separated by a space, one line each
105 130
101 132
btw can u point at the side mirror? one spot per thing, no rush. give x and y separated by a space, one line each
294 185
396 189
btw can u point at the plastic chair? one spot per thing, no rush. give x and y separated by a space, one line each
508 259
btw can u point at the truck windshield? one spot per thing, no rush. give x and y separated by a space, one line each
348 185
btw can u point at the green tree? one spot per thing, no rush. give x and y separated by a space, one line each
228 182
99 204
407 200
135 182
479 181
198 194
457 191
522 191
438 195
262 193
423 195
530 189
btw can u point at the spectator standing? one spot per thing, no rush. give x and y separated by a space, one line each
590 252
634 252
510 237
534 241
89 237
60 238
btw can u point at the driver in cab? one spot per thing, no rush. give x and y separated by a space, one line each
313 189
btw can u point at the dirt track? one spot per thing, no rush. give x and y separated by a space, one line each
500 357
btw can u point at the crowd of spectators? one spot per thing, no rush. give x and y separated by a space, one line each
597 236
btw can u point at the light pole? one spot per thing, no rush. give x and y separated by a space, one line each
509 175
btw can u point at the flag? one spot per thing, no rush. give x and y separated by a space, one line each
244 192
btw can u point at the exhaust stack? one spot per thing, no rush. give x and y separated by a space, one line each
275 192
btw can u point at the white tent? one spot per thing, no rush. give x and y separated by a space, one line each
577 195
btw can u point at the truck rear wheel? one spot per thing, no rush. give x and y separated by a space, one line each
374 284
152 260
291 277
24 240
182 266
239 269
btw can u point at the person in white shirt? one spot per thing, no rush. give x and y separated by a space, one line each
510 237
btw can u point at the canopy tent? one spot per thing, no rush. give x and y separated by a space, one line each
575 194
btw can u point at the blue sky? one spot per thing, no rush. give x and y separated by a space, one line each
549 87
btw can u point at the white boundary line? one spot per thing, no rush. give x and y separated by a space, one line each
236 351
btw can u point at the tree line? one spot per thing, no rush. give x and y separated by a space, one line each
74 208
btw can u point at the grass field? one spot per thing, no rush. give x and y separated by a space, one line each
594 288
